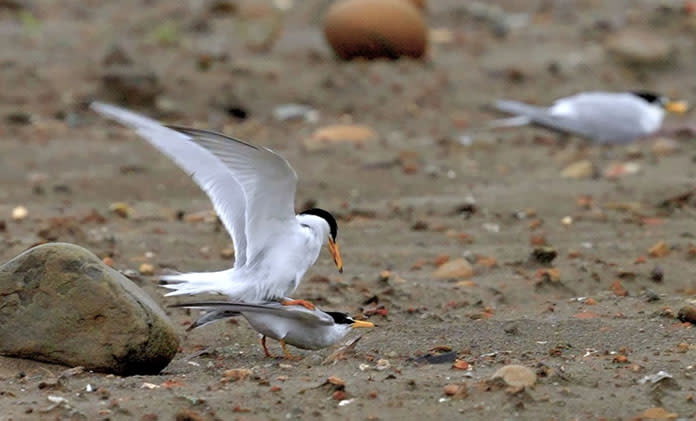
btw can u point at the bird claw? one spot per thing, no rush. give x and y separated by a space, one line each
286 352
303 303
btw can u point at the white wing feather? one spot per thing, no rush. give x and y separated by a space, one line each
212 175
274 308
268 182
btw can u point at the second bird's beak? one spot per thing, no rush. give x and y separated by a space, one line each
677 107
336 254
360 323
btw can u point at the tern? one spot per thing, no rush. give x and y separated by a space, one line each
604 117
252 190
291 325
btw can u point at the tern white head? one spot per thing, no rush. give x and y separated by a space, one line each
291 325
253 192
605 117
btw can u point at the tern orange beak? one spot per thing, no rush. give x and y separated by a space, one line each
677 107
336 254
360 323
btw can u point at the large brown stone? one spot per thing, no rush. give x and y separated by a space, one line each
59 303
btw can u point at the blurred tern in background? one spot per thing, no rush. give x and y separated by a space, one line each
253 191
604 117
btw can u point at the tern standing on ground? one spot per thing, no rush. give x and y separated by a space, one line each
604 117
291 325
253 192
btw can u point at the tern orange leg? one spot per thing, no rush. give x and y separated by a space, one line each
265 349
287 353
303 303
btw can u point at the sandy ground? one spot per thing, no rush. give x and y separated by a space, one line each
406 201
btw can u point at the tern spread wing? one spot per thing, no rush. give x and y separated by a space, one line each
207 170
267 179
291 312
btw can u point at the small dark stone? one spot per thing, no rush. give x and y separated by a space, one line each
50 384
554 68
15 5
224 7
512 330
62 188
657 274
63 229
103 394
439 358
131 85
132 169
188 415
372 300
544 255
466 209
651 296
116 56
419 226
237 112
227 101
19 118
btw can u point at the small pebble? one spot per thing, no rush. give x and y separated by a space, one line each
227 253
19 213
578 170
237 374
660 249
382 364
665 146
146 269
516 375
455 390
454 269
121 209
687 314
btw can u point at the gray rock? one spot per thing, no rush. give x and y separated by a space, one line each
59 303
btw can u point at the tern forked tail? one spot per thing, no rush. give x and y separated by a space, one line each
200 282
521 109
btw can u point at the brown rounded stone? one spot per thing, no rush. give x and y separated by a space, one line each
62 304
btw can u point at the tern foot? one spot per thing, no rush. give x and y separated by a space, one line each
286 352
265 348
303 303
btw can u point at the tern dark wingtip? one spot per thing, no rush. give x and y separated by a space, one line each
200 132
